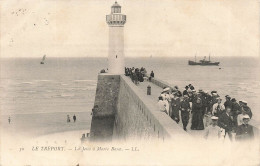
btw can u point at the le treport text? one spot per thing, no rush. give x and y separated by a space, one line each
82 148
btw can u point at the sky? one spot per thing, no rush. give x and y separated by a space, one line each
174 28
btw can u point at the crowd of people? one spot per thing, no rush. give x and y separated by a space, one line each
207 110
137 75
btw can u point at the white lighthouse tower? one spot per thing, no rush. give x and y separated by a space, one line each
116 58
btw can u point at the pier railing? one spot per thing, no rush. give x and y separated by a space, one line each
160 83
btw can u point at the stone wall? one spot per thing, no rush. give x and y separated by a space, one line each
137 118
122 112
103 115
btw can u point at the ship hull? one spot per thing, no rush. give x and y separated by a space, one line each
204 64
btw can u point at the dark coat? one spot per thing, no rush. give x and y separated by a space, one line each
244 132
236 108
228 103
185 92
197 118
179 94
214 99
248 111
185 105
225 122
175 104
175 108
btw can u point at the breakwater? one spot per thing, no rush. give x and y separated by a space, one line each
124 112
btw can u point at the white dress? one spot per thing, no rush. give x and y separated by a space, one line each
214 132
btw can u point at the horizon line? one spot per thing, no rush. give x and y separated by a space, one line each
130 57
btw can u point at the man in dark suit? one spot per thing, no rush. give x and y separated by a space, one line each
228 102
175 104
226 122
247 109
185 111
185 92
235 110
245 131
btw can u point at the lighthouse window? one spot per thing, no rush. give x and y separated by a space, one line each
116 56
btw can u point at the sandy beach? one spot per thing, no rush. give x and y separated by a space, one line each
48 132
51 149
35 125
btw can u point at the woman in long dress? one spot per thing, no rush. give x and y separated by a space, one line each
197 118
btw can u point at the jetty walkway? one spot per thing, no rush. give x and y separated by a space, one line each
124 110
155 93
156 89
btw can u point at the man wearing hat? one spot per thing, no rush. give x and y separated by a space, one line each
247 109
185 92
240 103
190 95
204 101
215 97
226 122
236 109
193 96
192 87
245 131
185 111
228 102
175 108
179 94
213 92
240 117
218 108
201 91
208 102
213 131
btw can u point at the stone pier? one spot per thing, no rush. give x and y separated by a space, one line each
124 110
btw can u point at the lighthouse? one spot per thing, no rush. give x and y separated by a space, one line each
116 21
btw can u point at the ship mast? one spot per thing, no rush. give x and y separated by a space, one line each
209 56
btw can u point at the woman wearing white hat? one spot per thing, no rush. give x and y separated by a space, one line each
166 98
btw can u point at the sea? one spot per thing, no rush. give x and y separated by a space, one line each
38 97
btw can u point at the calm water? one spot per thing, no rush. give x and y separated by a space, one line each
69 84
